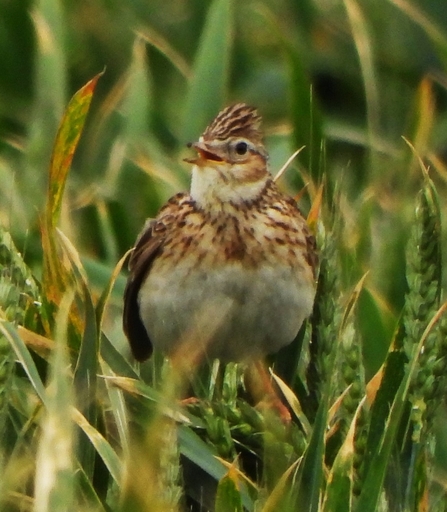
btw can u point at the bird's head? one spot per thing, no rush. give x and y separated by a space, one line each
231 165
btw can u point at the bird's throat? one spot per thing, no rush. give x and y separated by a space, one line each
212 189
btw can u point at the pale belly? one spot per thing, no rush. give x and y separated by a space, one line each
230 313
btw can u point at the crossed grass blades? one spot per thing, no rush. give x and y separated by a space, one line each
85 429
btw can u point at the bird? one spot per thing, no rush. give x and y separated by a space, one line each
227 269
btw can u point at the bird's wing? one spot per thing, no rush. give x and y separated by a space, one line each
148 246
144 252
312 252
311 243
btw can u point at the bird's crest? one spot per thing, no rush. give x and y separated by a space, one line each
239 120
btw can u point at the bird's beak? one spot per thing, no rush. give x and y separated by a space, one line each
204 153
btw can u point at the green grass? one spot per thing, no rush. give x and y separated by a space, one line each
85 428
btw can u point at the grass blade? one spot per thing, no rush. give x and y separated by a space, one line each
311 470
102 301
55 276
102 446
117 406
371 492
23 355
192 447
54 482
363 45
85 374
433 31
228 496
208 88
50 79
281 489
338 495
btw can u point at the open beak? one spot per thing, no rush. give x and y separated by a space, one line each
204 154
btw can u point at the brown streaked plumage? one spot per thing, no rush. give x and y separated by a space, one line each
238 120
229 267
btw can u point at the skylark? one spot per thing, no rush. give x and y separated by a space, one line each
227 269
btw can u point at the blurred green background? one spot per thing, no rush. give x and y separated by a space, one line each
347 79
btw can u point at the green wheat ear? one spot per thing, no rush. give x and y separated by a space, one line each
422 302
19 298
18 288
424 268
326 318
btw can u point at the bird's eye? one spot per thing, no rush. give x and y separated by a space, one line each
241 148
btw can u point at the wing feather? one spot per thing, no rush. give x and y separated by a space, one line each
148 246
146 249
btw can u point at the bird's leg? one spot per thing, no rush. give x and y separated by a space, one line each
259 383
